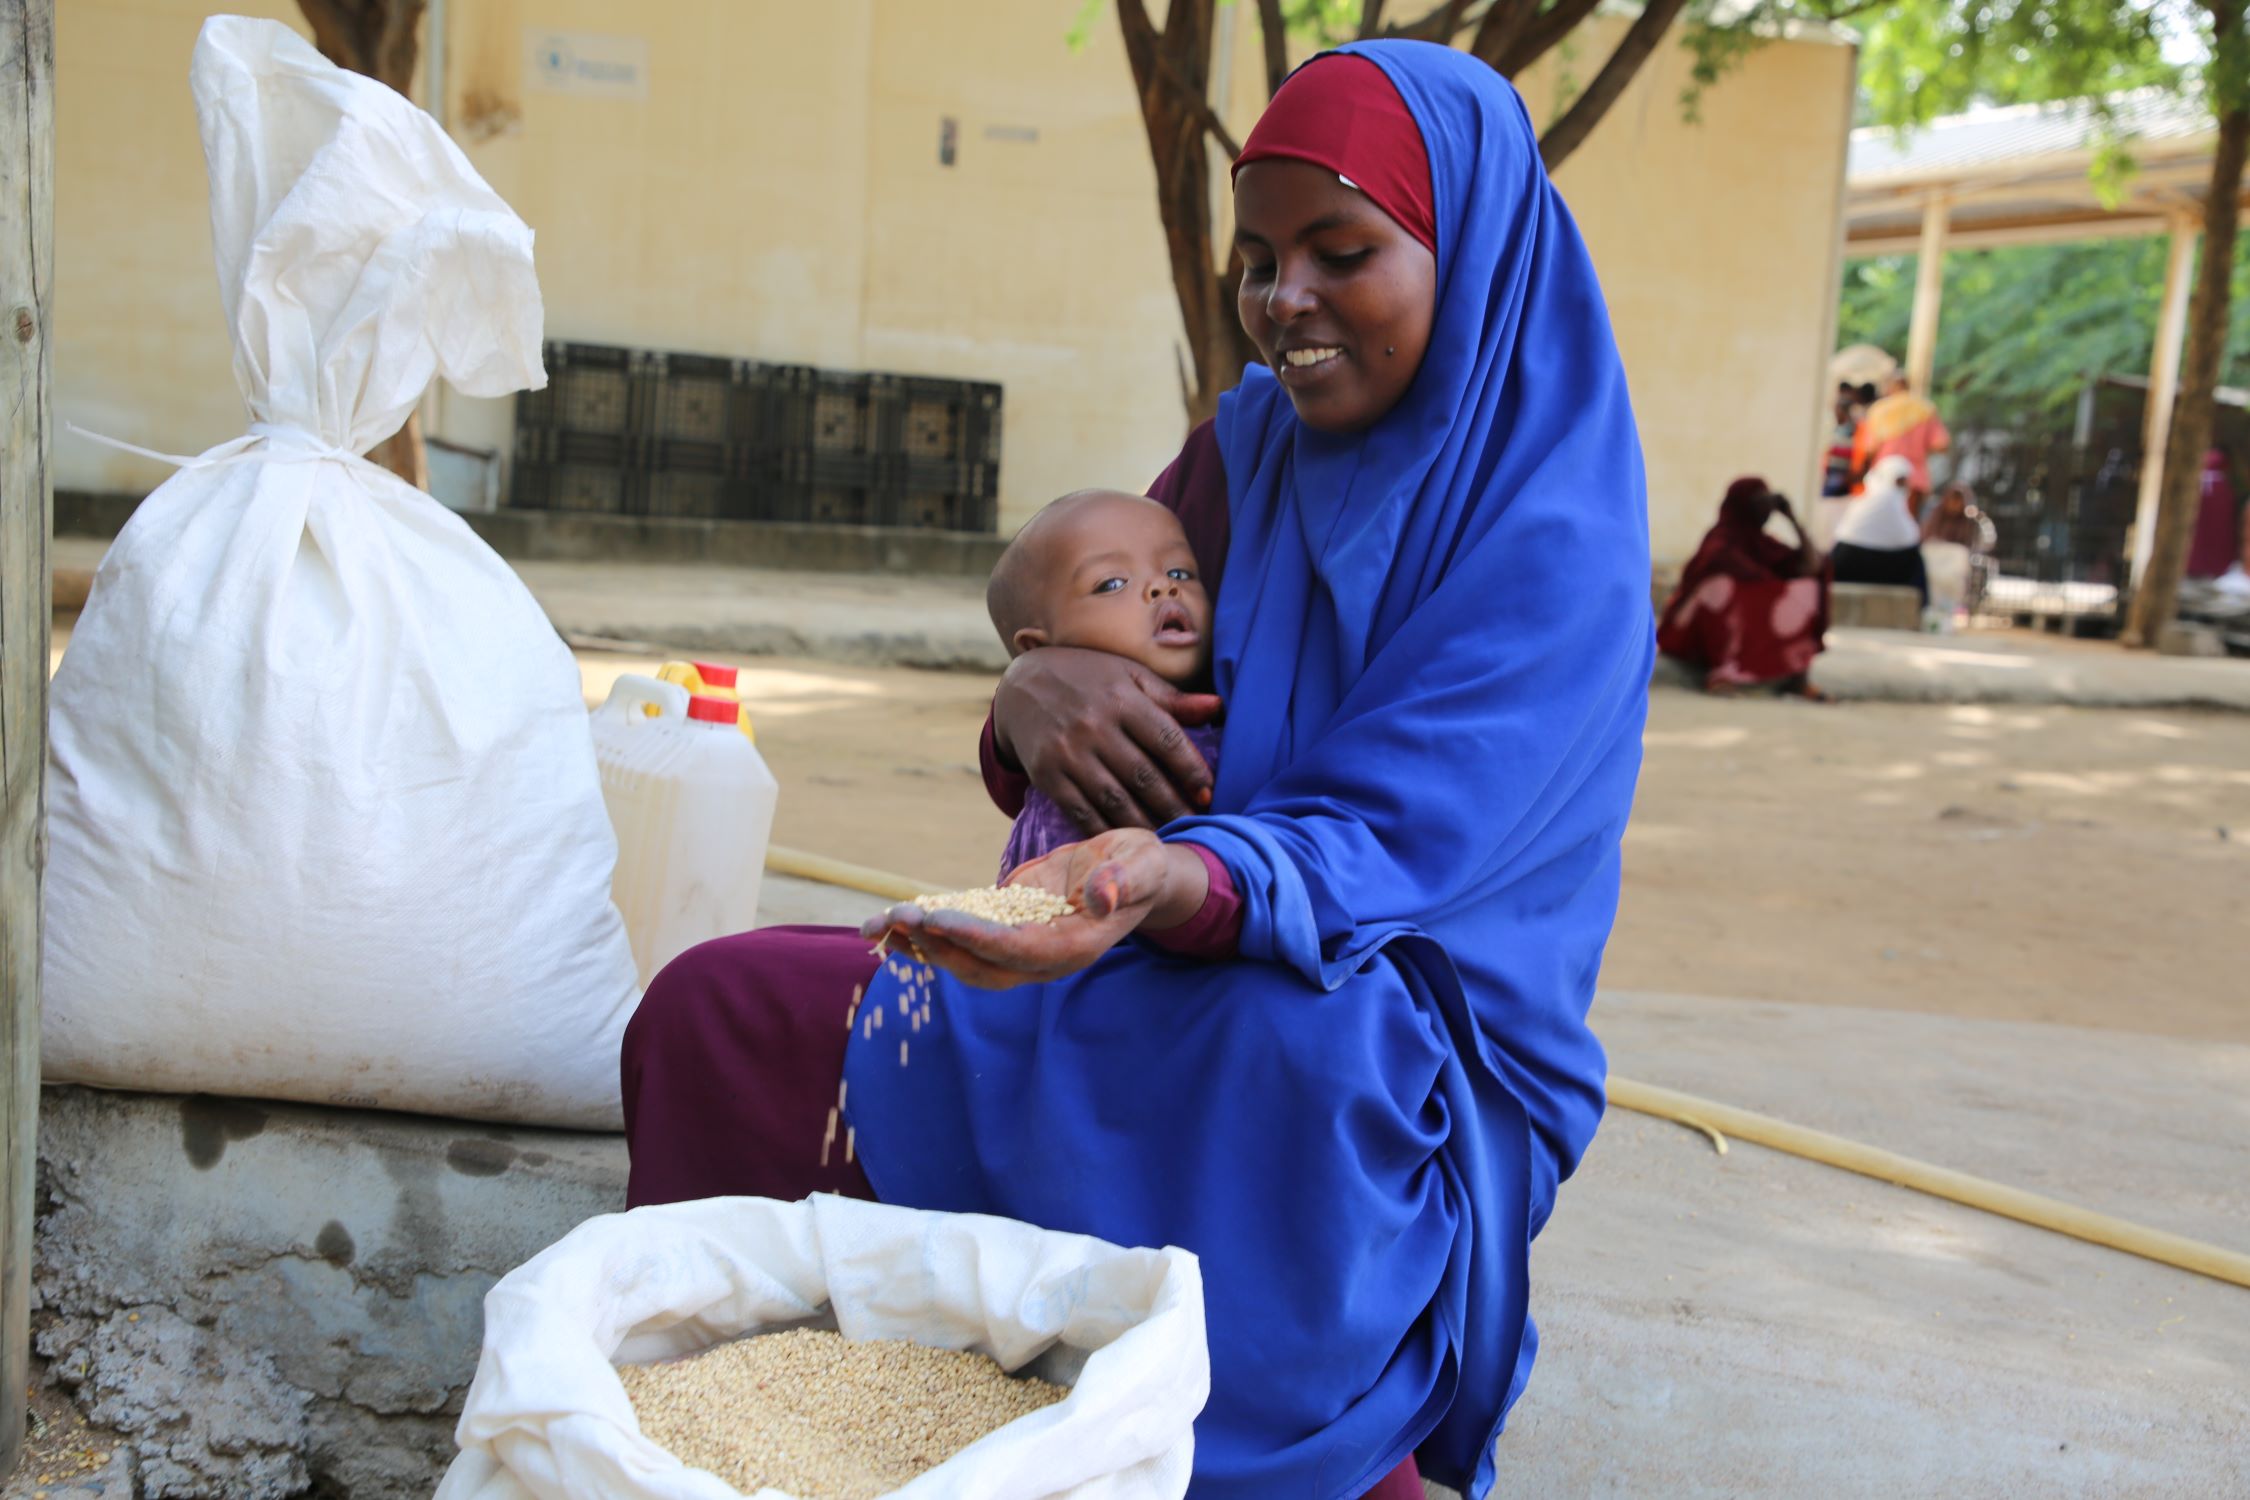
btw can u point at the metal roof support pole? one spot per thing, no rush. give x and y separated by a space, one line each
2163 383
1929 288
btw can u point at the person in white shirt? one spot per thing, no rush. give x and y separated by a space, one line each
1878 539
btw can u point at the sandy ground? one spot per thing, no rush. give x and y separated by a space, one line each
2086 866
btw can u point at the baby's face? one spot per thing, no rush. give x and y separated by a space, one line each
1120 577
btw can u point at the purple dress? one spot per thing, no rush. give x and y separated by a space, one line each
1042 827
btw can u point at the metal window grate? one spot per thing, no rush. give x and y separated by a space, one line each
642 432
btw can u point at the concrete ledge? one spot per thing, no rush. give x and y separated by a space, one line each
567 536
561 536
266 1298
1886 666
1874 606
874 619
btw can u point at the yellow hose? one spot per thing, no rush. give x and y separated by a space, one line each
851 877
1940 1182
1712 1118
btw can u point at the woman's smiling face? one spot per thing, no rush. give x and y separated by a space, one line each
1337 297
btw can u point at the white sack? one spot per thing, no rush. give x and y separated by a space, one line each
546 1416
325 819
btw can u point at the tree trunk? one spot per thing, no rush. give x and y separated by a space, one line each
375 37
379 38
1273 35
1172 69
27 264
2157 599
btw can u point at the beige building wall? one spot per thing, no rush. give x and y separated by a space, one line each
1716 243
775 191
141 349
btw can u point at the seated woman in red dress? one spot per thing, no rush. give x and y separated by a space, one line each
1750 610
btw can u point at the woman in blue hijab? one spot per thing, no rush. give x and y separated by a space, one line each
1433 641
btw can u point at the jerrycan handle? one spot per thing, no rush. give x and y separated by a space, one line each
638 697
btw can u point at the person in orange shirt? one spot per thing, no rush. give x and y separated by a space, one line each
1904 424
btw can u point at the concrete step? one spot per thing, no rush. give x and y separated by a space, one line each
1874 606
261 1297
571 536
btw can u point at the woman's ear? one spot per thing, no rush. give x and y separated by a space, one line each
1029 638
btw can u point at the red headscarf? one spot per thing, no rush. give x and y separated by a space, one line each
1342 112
1738 545
1742 510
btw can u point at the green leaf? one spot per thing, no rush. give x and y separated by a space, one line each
1082 25
2023 327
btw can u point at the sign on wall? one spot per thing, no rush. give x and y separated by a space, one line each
582 62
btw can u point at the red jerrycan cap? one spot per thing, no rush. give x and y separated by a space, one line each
716 674
712 710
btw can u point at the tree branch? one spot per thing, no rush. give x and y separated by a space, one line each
397 42
1504 21
1197 105
335 29
1132 19
1439 24
1370 18
1543 33
1273 29
379 38
1569 132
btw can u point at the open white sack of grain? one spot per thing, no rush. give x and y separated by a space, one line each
325 819
547 1417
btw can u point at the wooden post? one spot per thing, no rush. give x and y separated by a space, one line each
2163 385
1929 288
27 259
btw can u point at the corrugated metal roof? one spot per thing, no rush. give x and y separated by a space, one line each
1958 145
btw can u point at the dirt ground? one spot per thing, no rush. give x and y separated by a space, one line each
2085 866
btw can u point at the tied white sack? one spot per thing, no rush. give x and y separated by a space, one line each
325 821
547 1419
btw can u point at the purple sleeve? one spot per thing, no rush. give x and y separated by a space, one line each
1215 931
1005 784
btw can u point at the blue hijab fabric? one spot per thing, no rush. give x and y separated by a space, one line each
1434 640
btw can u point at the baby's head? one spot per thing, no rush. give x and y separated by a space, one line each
1106 572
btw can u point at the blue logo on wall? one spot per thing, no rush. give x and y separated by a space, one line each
590 64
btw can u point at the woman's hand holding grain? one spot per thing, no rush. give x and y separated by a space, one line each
1119 882
1101 736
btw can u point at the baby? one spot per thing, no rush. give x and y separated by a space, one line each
1103 571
